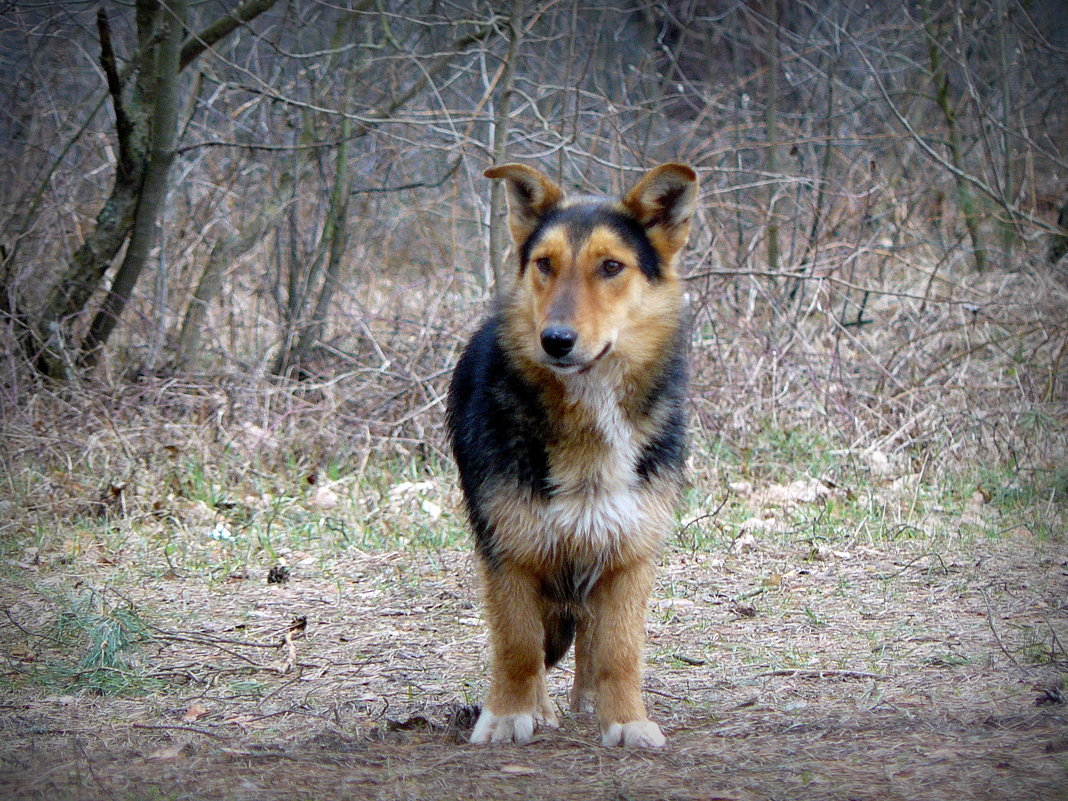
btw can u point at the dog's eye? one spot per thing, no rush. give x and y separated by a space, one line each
544 265
610 267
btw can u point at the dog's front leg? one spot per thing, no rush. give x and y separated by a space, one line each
518 697
616 640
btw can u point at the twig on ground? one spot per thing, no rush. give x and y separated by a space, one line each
203 638
802 673
911 562
193 729
993 628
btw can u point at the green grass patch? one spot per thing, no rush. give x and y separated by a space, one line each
94 642
870 497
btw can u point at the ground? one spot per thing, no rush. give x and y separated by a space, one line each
778 670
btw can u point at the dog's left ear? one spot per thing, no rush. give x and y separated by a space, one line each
664 201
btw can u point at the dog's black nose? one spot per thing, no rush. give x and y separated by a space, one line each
558 340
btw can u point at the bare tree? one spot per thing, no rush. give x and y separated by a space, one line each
935 28
341 146
145 110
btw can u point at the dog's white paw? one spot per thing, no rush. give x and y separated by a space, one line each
492 728
636 734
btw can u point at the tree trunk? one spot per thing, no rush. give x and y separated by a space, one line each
498 236
1008 178
940 79
53 353
47 342
771 125
335 240
164 124
222 254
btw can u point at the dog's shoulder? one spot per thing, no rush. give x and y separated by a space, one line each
495 417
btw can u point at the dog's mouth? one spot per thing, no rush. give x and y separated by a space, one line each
570 366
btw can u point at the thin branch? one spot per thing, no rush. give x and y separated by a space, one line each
820 674
204 638
123 124
380 114
801 276
911 562
371 190
218 30
263 147
1010 209
994 629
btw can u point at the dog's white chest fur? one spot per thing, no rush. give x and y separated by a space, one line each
596 509
599 393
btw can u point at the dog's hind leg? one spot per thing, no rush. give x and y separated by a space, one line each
518 697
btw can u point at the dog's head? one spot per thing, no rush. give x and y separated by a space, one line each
597 276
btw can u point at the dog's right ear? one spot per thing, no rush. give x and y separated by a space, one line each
530 197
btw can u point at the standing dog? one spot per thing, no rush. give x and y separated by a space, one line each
566 419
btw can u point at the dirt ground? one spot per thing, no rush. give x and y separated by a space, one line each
890 671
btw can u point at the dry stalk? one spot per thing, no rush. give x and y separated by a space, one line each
822 674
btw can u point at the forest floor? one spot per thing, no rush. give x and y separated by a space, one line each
195 607
779 669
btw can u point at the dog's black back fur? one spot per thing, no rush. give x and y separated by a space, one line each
497 427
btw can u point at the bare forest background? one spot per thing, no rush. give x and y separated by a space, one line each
289 195
241 247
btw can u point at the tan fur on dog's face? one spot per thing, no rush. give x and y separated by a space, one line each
594 286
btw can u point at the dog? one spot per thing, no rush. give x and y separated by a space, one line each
566 419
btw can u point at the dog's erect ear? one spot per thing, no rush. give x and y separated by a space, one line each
530 197
664 201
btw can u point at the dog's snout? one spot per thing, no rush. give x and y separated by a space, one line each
558 340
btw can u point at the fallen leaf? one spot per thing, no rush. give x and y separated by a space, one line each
880 464
324 498
517 770
820 552
242 720
432 510
744 610
167 752
808 490
195 712
23 653
410 488
746 542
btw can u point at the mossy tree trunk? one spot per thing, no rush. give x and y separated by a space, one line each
145 108
161 101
